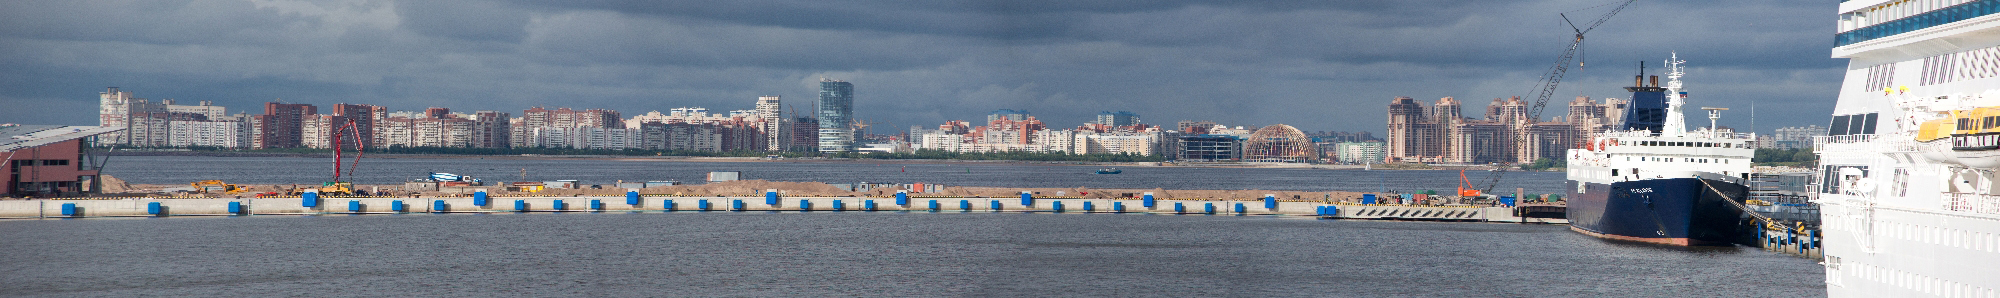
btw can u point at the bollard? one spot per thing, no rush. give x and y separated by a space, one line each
235 207
1057 207
1208 208
597 205
868 205
479 198
1239 208
736 204
771 197
396 206
839 205
1179 209
520 206
964 205
309 200
69 209
703 205
1147 201
153 208
903 198
632 198
1270 202
354 206
934 206
1088 208
996 205
437 206
1027 199
558 205
1118 207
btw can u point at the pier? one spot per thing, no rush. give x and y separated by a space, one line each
311 204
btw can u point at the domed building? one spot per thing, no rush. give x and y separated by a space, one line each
1279 143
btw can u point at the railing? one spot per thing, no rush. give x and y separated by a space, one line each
1975 203
1841 142
1921 21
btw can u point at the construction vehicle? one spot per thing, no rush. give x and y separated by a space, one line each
217 186
1546 85
352 134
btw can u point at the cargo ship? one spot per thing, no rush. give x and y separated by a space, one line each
1650 179
1909 172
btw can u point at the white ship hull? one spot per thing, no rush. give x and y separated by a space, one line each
1910 195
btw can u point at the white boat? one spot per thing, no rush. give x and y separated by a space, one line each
1909 182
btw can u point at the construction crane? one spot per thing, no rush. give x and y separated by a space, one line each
1549 81
351 131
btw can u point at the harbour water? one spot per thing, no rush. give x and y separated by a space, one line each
861 254
289 170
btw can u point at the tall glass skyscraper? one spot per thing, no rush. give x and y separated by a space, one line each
836 114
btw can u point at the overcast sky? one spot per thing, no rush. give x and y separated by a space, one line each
1316 65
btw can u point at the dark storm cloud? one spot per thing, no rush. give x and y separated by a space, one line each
1318 65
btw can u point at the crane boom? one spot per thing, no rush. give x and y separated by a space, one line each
1548 86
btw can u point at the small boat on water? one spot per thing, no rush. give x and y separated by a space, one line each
1109 171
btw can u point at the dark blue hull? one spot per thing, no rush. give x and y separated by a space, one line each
1682 211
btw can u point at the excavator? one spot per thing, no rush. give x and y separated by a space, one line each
217 186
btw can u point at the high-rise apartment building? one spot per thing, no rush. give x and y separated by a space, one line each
1119 118
281 125
836 114
1443 135
1009 114
772 110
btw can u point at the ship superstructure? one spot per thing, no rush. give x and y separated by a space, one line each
1652 180
1908 172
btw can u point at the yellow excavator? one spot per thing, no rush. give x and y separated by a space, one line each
217 186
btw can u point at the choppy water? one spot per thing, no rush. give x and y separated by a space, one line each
861 254
287 170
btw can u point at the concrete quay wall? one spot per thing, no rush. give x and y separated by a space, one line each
298 206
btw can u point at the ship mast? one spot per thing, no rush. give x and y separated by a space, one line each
1676 125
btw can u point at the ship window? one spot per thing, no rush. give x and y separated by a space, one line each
1838 126
1867 125
1614 172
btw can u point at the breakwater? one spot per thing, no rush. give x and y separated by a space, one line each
633 202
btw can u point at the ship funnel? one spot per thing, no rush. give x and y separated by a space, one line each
1639 81
1656 81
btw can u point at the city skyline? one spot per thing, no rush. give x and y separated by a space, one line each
918 64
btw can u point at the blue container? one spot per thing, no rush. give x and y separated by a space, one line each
1270 202
1179 209
1147 201
964 205
805 205
1087 207
1239 208
520 206
1368 199
309 200
69 209
1208 208
479 199
868 205
1118 207
437 206
1057 207
771 198
1507 200
632 198
353 206
996 205
702 205
235 207
903 199
396 206
839 205
153 208
1027 199
736 204
558 205
934 206
598 205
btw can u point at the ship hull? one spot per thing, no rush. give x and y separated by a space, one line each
1682 211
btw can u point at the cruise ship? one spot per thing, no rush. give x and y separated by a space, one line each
1908 172
1652 180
